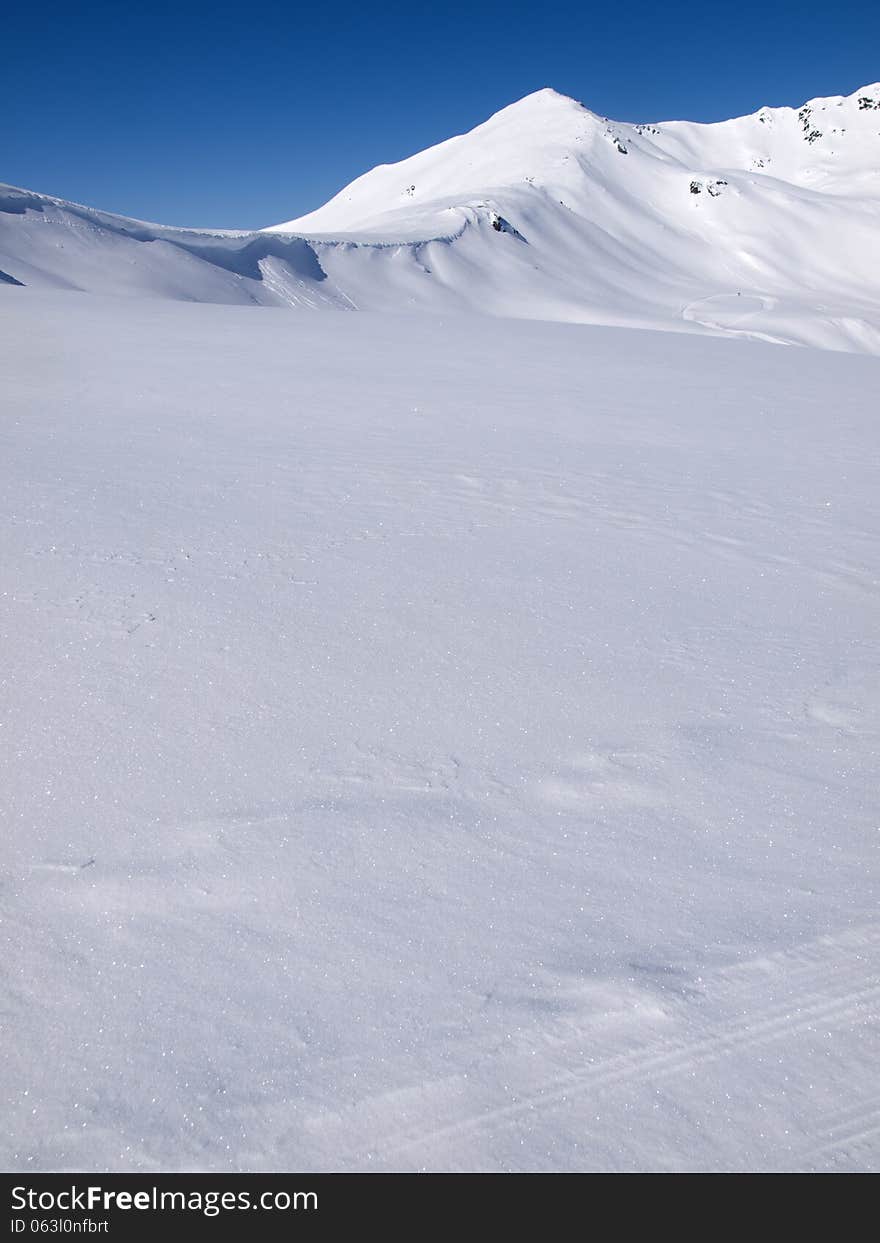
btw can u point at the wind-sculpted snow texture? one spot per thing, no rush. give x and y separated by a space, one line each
430 744
765 226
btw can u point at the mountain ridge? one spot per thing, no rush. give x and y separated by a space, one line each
562 122
764 226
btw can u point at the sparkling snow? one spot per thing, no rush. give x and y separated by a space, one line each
434 743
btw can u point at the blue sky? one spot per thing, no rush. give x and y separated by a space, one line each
238 117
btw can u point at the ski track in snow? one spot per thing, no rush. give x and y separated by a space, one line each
775 1009
434 745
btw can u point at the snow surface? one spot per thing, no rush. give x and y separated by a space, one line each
765 226
434 743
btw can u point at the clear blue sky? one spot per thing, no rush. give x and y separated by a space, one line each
244 116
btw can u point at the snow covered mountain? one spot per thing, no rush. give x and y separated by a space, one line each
764 226
445 742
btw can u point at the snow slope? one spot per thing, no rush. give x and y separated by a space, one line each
425 746
49 243
765 226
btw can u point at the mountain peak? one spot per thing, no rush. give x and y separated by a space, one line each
544 95
540 104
